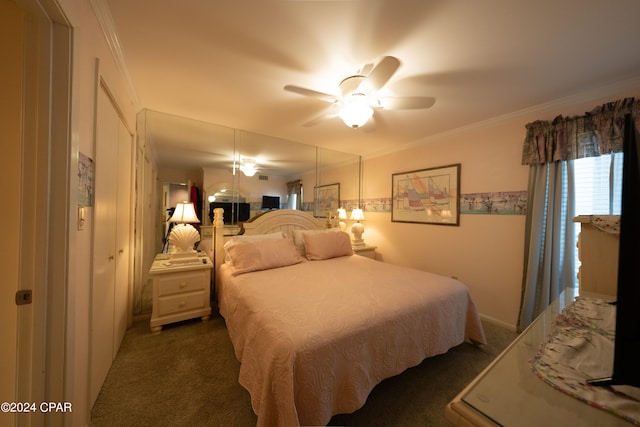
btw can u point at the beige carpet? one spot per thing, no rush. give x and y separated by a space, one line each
187 376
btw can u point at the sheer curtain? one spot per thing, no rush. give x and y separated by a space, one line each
549 237
550 149
295 195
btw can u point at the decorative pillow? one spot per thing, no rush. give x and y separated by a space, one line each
328 244
250 238
254 255
298 240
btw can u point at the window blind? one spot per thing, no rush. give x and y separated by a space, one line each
598 188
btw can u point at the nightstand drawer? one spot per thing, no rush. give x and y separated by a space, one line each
179 303
176 283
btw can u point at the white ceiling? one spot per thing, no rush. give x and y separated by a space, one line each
227 61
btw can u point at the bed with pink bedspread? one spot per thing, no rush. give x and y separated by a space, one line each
315 331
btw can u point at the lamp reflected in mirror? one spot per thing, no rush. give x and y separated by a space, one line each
342 215
357 228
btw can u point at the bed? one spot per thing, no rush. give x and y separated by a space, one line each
316 328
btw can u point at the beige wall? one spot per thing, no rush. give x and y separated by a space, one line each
485 251
89 47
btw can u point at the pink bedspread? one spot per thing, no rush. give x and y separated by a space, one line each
313 339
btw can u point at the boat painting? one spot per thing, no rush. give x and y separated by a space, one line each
427 196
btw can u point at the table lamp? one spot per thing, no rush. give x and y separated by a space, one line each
357 228
184 236
342 215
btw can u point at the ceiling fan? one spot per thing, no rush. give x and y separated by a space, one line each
359 95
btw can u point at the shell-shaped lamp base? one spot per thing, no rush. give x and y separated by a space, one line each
183 238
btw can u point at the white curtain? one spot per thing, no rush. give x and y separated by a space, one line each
295 195
550 149
549 264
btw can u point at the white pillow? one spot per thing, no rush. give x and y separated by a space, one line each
326 245
298 240
254 255
250 238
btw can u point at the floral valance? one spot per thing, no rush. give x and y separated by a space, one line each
293 187
567 138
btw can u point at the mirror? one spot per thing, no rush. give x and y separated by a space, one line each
225 157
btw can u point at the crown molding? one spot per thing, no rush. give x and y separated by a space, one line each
597 92
103 14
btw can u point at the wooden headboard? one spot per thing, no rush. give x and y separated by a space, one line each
285 220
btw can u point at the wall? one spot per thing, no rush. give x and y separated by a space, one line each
486 251
89 48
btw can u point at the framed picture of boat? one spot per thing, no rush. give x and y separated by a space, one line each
327 200
427 196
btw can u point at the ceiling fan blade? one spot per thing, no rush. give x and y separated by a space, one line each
366 69
406 102
326 116
382 72
312 93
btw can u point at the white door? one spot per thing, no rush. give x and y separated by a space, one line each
11 107
104 250
113 228
124 232
34 213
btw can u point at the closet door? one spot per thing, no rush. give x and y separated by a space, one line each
112 237
104 244
122 237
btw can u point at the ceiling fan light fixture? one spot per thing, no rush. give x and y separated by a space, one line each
356 111
360 94
248 168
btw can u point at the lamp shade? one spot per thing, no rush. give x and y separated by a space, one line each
184 214
356 111
342 213
357 215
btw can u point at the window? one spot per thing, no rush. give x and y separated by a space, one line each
598 182
598 188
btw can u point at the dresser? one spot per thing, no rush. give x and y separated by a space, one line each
181 290
508 393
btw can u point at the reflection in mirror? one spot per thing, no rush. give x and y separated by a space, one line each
207 155
181 142
280 170
172 194
287 170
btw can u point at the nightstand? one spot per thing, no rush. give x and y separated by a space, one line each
181 290
365 250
